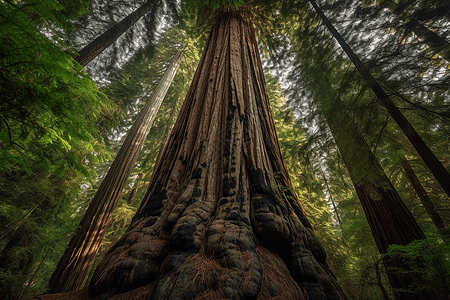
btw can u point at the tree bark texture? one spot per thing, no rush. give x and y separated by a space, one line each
389 219
76 261
94 48
435 166
219 219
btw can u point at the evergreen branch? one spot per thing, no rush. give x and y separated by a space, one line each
431 112
9 130
18 222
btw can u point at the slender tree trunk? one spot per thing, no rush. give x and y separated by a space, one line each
335 210
379 281
132 194
437 44
90 51
76 261
435 166
211 225
425 199
332 200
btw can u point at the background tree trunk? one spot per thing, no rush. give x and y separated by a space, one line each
219 219
94 48
389 219
425 199
76 261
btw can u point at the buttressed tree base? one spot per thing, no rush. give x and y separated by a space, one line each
219 219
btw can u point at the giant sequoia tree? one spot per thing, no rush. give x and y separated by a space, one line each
219 219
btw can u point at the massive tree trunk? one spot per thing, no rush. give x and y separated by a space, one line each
435 166
219 219
76 261
94 48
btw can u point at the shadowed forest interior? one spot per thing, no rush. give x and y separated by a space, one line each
225 149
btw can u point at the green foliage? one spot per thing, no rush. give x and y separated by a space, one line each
427 262
119 222
34 238
50 139
49 105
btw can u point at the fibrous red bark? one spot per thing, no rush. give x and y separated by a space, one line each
219 219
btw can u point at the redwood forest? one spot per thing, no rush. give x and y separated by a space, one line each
225 149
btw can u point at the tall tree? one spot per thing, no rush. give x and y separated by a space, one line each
94 48
436 167
219 219
389 219
76 261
